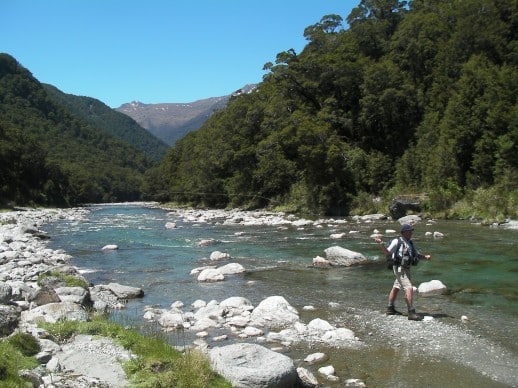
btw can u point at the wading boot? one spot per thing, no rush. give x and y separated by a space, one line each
391 310
413 316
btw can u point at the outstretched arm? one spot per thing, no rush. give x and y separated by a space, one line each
382 245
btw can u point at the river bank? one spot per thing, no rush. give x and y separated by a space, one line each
428 346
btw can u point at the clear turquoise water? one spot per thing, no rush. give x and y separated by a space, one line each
479 265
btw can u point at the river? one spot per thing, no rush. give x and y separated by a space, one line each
478 264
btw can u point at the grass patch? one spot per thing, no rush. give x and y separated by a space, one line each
13 357
157 363
70 280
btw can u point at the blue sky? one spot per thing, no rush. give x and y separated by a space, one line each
155 51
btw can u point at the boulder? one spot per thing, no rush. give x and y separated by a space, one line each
315 358
9 318
110 247
338 256
410 219
171 320
231 268
210 275
253 366
433 287
44 295
124 292
53 312
217 256
274 312
237 304
6 293
74 294
400 206
321 262
307 379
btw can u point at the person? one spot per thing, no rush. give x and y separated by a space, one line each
405 254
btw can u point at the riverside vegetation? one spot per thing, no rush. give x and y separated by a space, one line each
416 97
154 360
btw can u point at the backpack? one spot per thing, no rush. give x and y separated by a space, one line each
393 258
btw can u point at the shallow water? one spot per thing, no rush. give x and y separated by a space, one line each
479 265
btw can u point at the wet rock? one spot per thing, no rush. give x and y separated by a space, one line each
338 256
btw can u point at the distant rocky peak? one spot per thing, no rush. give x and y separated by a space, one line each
171 121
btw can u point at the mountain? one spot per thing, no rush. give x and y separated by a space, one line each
172 121
49 156
114 123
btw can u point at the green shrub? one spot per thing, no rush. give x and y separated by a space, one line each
25 343
11 361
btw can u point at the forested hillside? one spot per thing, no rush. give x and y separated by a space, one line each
114 123
50 157
397 99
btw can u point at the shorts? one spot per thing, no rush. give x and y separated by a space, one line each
402 278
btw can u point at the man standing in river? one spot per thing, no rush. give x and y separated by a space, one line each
405 254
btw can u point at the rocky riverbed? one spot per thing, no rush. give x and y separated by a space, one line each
270 329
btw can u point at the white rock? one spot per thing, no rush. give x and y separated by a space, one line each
171 320
237 304
315 357
231 269
321 262
433 287
354 383
198 303
252 365
170 225
318 324
307 378
218 256
274 312
251 331
110 247
343 257
328 370
210 275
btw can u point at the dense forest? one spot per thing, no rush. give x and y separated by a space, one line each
400 98
48 156
114 123
410 98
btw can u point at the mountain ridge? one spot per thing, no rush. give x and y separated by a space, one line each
114 123
171 121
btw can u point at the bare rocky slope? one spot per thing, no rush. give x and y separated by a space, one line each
171 121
